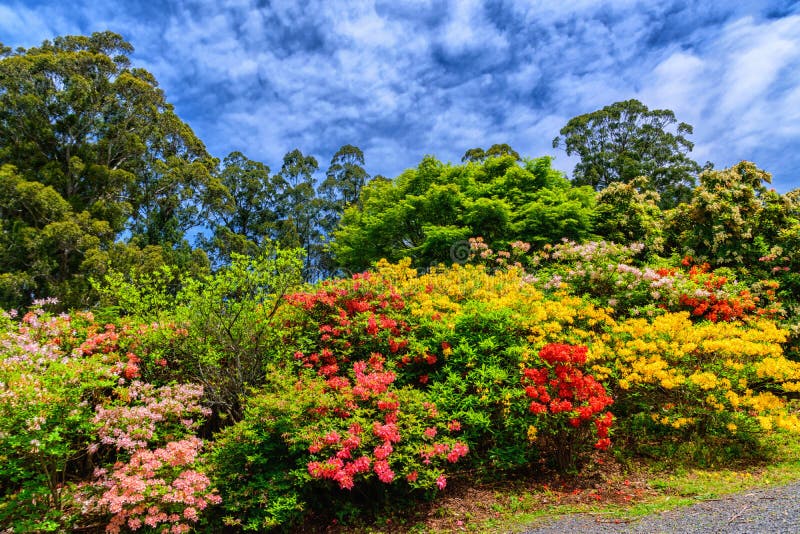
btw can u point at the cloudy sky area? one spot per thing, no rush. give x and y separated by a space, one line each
402 79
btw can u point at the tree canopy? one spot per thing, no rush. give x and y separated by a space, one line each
478 154
733 218
428 212
103 153
625 140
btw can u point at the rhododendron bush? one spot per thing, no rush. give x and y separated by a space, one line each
253 404
566 401
84 440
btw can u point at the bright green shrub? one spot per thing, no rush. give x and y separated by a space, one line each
253 465
223 326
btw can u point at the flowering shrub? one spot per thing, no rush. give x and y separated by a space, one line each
679 379
379 388
147 415
47 393
566 403
68 392
717 300
379 431
364 354
361 417
488 326
156 487
156 481
609 273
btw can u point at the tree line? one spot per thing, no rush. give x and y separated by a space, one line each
98 175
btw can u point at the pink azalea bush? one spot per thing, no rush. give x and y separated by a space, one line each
159 487
160 483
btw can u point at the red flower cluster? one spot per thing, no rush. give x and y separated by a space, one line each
101 342
361 342
353 320
122 347
603 424
716 309
452 453
562 387
338 470
714 302
708 302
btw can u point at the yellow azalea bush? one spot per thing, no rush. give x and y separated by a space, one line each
671 374
441 294
690 379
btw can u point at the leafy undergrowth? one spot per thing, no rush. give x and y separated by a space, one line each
612 490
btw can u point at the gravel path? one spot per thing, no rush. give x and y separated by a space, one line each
770 510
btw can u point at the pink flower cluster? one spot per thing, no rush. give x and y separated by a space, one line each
159 486
131 427
453 453
140 493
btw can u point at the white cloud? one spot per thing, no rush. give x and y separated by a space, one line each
740 90
401 79
756 54
468 29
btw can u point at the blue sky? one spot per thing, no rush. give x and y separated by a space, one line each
402 79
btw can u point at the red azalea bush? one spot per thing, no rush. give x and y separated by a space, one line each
352 319
360 419
714 299
568 404
365 428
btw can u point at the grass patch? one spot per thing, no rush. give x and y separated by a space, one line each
619 491
613 488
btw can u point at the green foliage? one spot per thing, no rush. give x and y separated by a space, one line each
629 213
299 209
229 317
428 213
44 242
730 218
626 140
479 386
98 151
252 463
478 154
344 180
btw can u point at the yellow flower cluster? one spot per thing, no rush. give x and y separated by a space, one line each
442 292
780 370
763 402
676 422
695 370
704 380
445 290
702 368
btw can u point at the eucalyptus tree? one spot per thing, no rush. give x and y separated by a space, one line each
241 210
625 140
79 123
